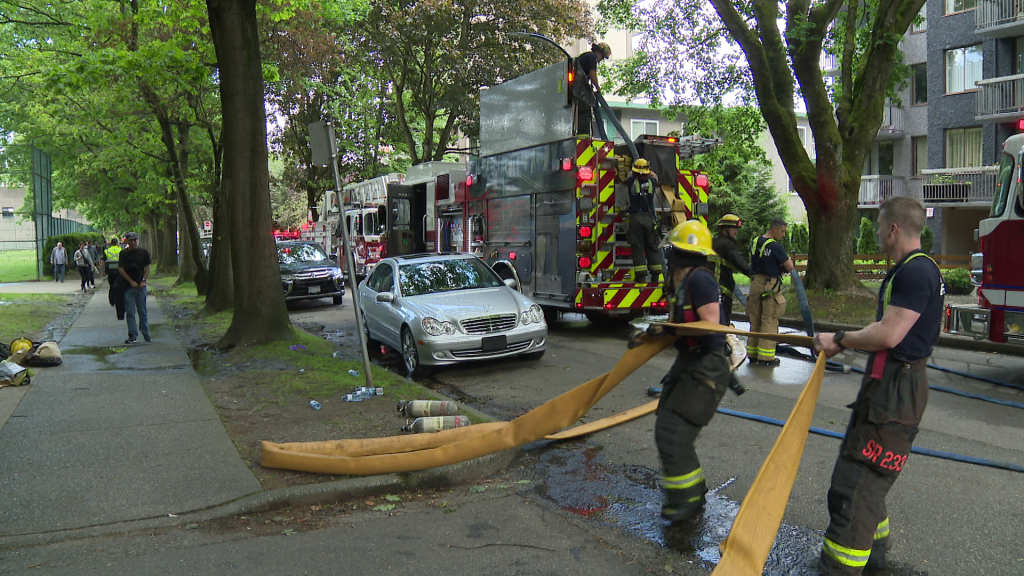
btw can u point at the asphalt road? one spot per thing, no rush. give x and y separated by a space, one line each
590 506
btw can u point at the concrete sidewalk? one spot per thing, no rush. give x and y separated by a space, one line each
116 433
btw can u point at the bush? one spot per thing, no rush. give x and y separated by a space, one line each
958 281
927 237
797 239
867 243
70 242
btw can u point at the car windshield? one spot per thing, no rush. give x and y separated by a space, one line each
292 253
446 275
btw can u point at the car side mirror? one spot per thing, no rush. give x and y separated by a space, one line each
385 297
333 256
511 283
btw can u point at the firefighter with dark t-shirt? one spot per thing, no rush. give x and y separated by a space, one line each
700 375
892 396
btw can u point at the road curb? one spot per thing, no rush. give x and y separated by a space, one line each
945 340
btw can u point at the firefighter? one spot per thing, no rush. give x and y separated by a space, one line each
728 259
586 99
700 375
641 230
765 302
892 396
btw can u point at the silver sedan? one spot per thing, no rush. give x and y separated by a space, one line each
444 309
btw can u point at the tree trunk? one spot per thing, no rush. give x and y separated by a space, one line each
186 266
830 244
220 294
166 249
259 310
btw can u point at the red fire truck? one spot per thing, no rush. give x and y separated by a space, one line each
545 208
999 314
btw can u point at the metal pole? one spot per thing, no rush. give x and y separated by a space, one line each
348 258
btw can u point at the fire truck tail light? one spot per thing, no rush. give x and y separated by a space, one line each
469 180
584 262
672 139
701 180
572 76
585 232
586 173
511 255
608 306
1020 125
566 164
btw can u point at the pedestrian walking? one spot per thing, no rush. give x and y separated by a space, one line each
84 262
59 260
765 302
694 386
586 87
109 264
641 227
133 266
892 396
728 260
94 253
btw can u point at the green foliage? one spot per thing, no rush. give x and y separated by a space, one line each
754 200
958 281
797 238
26 315
927 239
70 242
867 243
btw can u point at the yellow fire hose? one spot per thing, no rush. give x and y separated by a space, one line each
757 523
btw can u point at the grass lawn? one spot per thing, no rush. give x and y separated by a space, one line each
25 315
17 265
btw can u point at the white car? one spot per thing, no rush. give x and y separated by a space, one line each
444 309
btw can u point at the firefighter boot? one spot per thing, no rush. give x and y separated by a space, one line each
876 561
679 508
640 277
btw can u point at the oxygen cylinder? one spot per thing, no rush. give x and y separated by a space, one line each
436 424
417 408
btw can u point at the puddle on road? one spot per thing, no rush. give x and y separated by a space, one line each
580 483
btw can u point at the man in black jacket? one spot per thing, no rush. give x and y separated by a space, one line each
728 259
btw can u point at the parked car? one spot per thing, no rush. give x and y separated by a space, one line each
445 309
306 272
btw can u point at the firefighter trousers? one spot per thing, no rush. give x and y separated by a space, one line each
643 241
765 303
691 392
115 295
879 437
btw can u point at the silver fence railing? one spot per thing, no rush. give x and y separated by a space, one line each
947 185
994 13
1004 95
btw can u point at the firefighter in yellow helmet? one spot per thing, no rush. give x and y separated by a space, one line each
587 85
700 375
641 229
727 260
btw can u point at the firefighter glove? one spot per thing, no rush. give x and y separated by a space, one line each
657 331
636 338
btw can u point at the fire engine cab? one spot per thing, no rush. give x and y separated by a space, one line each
999 314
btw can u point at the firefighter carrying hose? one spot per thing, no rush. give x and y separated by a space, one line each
700 375
586 97
765 302
641 231
728 259
892 396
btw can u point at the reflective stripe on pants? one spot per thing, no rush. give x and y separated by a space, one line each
764 317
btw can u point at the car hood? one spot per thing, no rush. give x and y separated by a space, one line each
462 304
296 267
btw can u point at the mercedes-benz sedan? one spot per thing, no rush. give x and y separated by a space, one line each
444 309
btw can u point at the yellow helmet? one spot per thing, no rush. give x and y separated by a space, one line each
604 48
690 236
21 345
730 220
642 166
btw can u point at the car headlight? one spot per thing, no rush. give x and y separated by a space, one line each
533 314
287 278
337 273
436 327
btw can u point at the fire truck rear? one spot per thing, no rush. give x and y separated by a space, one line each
545 207
999 314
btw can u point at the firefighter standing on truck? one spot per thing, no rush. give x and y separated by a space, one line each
765 302
892 396
728 259
641 231
586 99
698 379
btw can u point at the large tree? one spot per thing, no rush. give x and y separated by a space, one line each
781 44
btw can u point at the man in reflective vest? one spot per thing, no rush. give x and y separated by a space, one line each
698 379
115 293
892 396
728 259
765 302
641 228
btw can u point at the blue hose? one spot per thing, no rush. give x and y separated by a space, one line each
915 449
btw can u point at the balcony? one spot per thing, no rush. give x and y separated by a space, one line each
943 187
1000 18
1001 99
893 118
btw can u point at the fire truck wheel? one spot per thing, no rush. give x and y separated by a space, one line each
411 356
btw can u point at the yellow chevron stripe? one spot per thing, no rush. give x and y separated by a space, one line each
587 155
631 297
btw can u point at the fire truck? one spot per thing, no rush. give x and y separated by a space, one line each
545 207
999 314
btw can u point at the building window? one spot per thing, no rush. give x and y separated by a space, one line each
920 84
953 6
920 144
923 16
807 140
610 131
8 212
963 147
640 127
963 68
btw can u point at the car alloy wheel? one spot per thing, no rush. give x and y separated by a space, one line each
409 353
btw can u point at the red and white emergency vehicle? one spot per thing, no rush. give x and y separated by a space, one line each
999 314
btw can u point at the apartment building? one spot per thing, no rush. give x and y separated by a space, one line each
943 142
